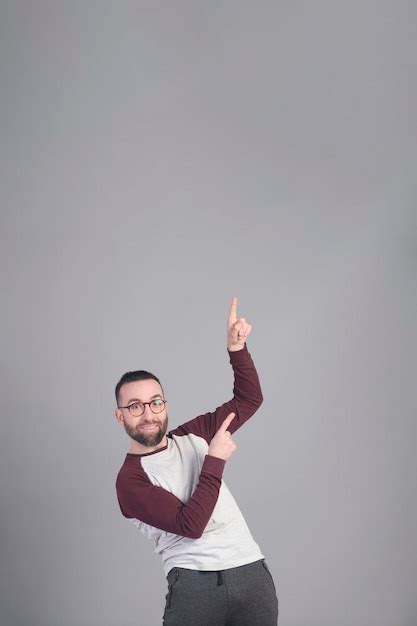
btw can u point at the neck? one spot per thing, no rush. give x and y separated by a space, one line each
138 448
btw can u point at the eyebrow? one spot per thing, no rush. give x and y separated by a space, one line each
157 395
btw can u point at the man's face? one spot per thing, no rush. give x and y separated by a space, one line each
149 428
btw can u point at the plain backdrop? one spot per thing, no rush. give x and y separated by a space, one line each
158 158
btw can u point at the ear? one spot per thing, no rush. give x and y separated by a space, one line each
119 416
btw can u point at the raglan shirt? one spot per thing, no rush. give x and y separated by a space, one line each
176 495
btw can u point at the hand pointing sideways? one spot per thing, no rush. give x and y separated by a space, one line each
222 445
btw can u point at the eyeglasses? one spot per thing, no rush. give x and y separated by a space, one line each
138 408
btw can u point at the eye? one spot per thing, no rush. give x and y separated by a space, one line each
157 402
136 406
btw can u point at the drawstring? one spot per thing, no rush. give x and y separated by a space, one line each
219 578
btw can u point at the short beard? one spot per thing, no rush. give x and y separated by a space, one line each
151 440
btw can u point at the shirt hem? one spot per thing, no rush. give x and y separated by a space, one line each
239 563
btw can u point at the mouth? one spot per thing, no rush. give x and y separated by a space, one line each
149 427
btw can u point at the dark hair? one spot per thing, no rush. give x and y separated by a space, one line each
129 377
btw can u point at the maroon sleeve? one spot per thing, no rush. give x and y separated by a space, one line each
140 499
247 398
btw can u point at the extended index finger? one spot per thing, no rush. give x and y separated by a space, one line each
226 422
233 311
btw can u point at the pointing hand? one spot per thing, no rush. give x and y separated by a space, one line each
237 329
222 445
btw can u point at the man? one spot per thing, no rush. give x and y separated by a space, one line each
170 486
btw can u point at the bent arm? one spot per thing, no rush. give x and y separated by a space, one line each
247 398
140 499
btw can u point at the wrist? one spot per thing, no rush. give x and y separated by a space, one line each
235 348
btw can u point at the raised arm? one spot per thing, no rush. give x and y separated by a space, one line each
247 393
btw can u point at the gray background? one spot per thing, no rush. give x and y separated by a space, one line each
158 158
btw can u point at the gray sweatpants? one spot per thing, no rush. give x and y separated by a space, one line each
241 596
